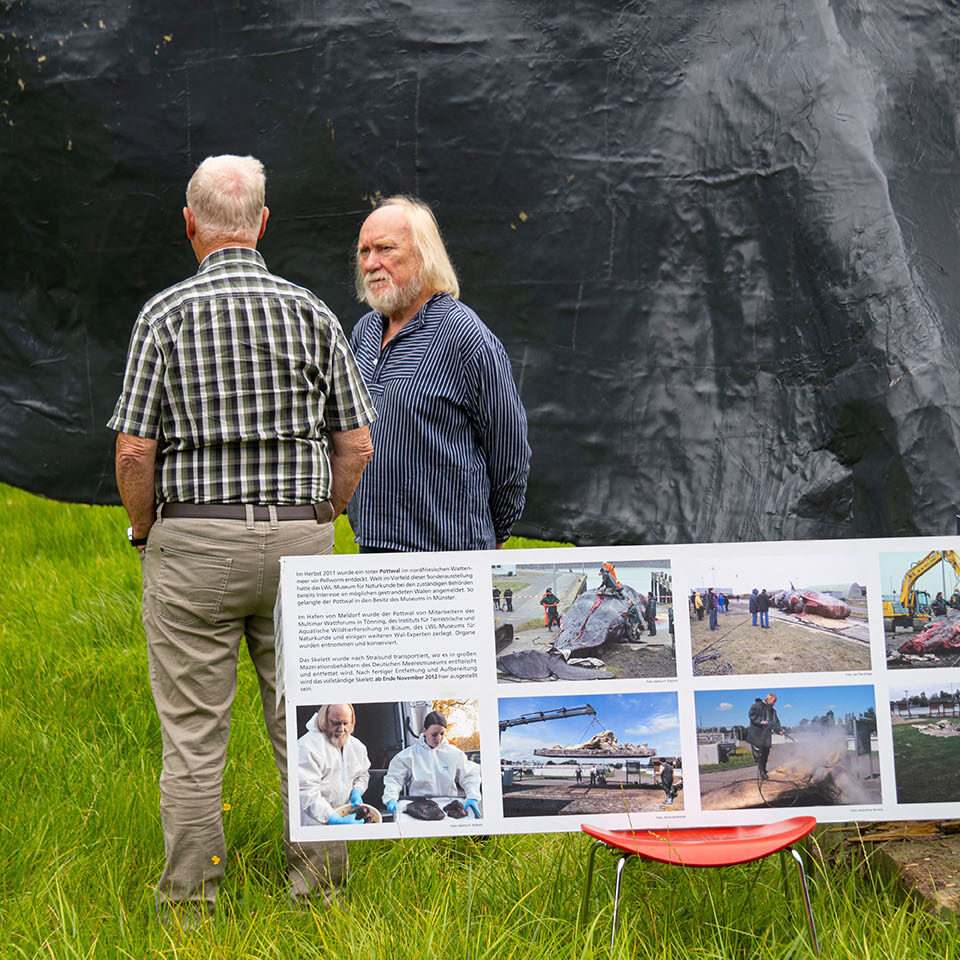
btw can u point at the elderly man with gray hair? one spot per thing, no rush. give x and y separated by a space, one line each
451 434
243 430
333 766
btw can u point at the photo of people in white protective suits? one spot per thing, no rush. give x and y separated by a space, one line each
388 762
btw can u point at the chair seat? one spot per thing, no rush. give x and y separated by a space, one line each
707 846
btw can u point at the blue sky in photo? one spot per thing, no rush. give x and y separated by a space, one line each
893 566
724 708
651 718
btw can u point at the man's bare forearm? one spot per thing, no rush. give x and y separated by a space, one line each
352 451
136 467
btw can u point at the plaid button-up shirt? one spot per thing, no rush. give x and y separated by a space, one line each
240 376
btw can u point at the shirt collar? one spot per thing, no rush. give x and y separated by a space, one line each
419 319
226 256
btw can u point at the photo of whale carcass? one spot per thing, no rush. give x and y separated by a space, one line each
584 621
793 613
602 754
921 608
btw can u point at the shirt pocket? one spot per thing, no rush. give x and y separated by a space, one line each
191 586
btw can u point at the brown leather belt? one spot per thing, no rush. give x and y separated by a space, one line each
321 512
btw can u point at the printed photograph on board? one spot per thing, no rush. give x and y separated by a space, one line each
380 762
921 608
583 621
563 755
795 613
787 747
926 742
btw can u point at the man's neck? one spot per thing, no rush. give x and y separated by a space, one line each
400 318
203 250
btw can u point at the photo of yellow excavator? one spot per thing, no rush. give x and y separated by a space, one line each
913 608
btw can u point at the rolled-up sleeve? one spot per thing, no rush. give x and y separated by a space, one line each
138 410
348 404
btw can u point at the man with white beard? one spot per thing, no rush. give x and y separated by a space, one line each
451 464
333 765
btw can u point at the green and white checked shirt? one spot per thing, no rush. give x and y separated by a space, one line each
240 376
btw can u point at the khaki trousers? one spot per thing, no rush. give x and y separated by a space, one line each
206 585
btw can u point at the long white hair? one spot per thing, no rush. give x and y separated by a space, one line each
437 271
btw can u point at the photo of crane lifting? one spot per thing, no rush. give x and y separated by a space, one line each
921 608
563 755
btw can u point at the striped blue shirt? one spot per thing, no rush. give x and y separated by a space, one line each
451 456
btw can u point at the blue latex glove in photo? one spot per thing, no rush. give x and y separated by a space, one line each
349 818
392 806
356 796
472 805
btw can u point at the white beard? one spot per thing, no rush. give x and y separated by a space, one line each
394 299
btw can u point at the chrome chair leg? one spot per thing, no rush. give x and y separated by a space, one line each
616 899
591 856
806 899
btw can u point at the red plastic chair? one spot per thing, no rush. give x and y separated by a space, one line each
701 847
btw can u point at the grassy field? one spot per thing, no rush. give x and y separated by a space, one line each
741 757
927 768
783 648
81 848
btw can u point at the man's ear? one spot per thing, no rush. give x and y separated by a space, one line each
263 222
191 223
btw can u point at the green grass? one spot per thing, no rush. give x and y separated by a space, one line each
80 843
514 585
928 768
738 758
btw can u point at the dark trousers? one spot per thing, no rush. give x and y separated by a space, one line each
760 754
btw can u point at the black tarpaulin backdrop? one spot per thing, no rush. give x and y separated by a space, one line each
718 239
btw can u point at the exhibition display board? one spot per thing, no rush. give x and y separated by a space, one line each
693 684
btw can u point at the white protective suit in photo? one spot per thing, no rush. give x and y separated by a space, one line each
419 771
327 774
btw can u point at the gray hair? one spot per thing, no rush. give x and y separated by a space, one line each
325 709
437 271
227 196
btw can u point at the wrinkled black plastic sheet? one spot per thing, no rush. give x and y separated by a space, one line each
718 239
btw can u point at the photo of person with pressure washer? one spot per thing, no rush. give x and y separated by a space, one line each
825 755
